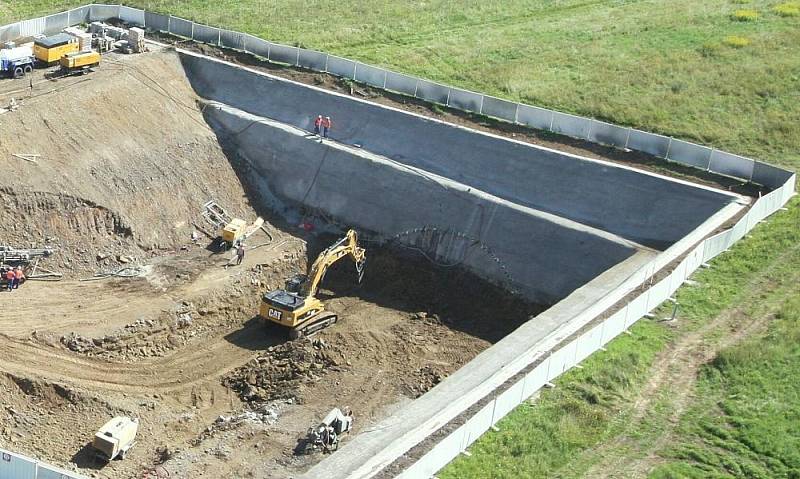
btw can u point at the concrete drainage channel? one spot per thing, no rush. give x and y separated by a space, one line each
604 242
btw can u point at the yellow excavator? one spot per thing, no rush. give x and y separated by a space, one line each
297 306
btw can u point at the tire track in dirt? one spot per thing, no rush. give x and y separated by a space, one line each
676 369
188 367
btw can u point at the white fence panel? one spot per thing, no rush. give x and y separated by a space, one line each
205 34
313 60
477 425
535 117
571 125
658 293
502 109
14 466
401 83
430 91
536 378
256 46
689 154
232 40
716 245
44 471
507 401
180 27
773 201
732 165
34 26
739 230
589 342
9 32
435 459
636 309
678 276
769 176
560 361
156 22
756 213
55 23
609 134
341 67
79 15
133 16
283 54
614 326
695 259
464 100
788 188
101 13
656 145
370 75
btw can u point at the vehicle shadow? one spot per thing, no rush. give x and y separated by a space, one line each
257 335
86 458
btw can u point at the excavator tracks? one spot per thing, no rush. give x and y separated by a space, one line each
314 326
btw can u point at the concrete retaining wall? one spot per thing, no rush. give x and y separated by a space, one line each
648 209
547 257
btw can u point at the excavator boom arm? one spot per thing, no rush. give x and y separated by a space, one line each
347 246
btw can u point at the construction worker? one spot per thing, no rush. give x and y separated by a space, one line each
326 126
240 254
18 277
9 277
317 124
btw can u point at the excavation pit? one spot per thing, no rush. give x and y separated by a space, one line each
468 235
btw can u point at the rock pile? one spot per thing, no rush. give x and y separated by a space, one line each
282 370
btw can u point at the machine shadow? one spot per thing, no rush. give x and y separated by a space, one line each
86 458
256 335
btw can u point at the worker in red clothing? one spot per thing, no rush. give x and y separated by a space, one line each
326 126
317 124
10 278
18 276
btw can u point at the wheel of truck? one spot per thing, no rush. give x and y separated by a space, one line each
19 72
28 69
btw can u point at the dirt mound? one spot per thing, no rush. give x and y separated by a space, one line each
280 372
112 179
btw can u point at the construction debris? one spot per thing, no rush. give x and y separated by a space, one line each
125 272
27 157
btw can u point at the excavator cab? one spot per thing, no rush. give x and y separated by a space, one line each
297 306
295 283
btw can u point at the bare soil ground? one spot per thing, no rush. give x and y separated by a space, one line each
126 162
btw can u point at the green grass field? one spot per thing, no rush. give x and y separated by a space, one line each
716 394
667 67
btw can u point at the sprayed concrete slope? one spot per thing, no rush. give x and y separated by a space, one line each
645 208
379 195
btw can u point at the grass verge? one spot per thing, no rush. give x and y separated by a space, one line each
591 417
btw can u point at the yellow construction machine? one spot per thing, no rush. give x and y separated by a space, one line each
232 231
297 306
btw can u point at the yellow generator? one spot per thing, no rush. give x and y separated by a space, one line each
79 62
50 50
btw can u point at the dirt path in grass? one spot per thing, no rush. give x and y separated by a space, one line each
671 388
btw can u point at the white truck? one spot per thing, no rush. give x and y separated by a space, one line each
17 62
116 437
